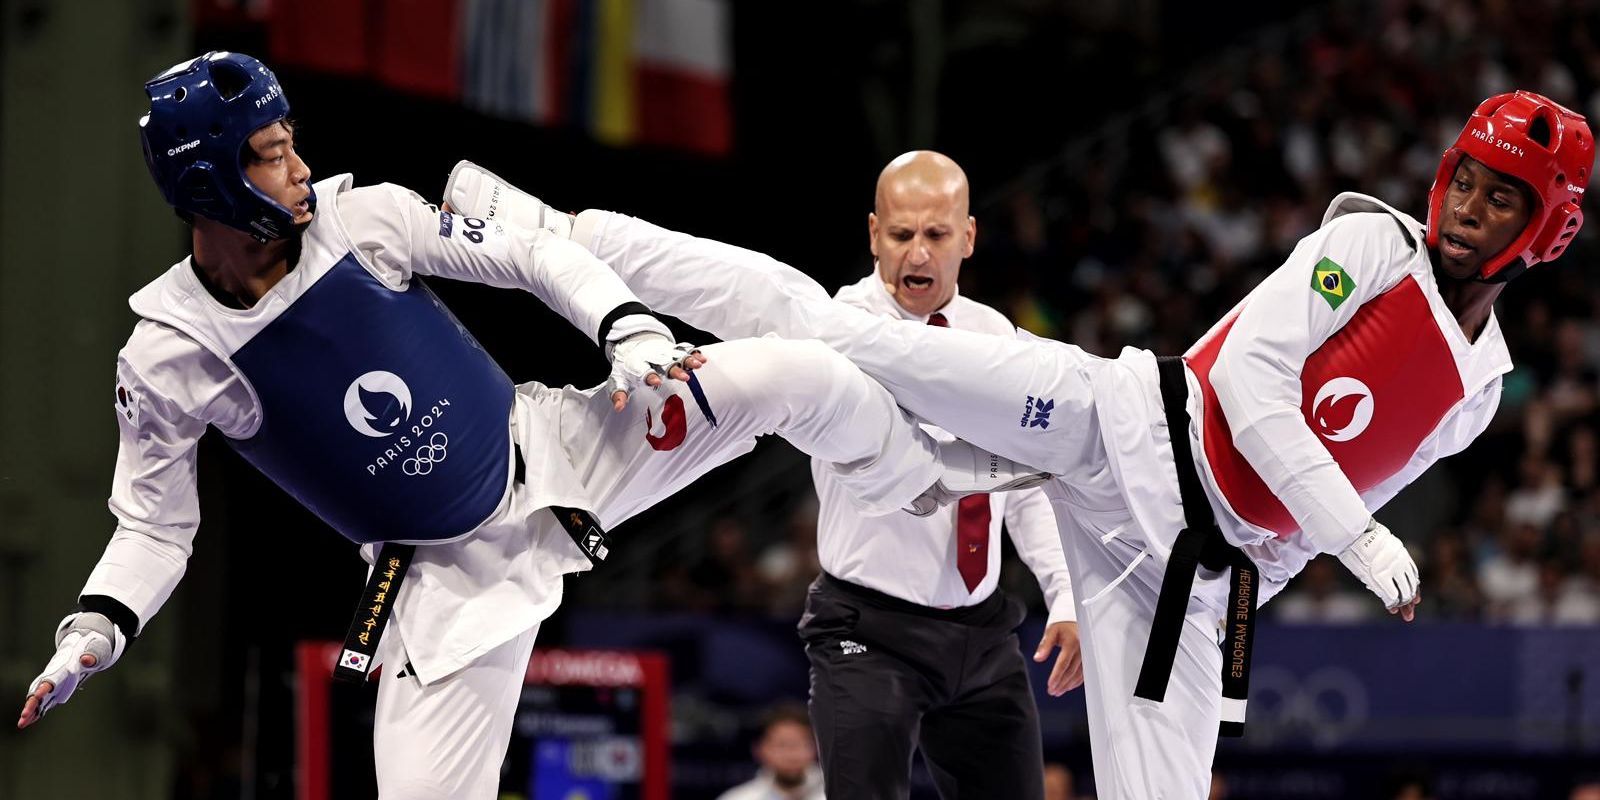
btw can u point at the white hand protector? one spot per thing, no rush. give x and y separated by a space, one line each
1381 561
639 355
78 634
476 192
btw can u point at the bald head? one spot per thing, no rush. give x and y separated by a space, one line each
922 173
920 229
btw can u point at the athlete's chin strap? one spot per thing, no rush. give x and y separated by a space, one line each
1509 273
1505 275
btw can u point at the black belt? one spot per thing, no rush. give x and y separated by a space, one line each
1200 543
372 614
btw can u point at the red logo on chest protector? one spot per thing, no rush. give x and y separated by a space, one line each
1335 413
672 417
1342 409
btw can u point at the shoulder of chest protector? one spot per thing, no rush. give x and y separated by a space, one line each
1355 214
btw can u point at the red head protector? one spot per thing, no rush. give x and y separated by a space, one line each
1546 146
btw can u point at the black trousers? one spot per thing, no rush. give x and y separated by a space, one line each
888 676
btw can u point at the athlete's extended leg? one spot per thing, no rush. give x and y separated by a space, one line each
1023 399
812 396
1020 399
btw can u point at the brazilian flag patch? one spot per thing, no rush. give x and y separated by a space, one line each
1332 282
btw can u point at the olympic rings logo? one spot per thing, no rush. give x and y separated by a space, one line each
1327 706
421 462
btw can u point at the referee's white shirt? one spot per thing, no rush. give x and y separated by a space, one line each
914 558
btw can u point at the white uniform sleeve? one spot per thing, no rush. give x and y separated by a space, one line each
152 496
1459 430
397 228
1032 524
1257 373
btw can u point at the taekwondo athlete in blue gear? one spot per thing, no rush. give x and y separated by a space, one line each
298 329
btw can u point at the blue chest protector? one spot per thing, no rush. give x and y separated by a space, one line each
379 411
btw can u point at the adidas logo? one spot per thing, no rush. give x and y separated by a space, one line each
852 648
595 545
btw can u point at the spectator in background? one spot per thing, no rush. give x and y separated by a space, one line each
1510 578
789 565
1540 497
1454 594
725 578
787 755
1556 600
1320 598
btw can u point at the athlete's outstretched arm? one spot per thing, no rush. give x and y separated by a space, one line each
153 498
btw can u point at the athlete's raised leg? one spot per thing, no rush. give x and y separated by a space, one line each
810 395
1021 398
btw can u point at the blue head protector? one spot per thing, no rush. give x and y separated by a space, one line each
202 113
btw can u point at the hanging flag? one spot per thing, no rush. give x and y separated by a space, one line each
651 73
683 65
630 72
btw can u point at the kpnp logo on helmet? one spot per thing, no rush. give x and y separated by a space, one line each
182 147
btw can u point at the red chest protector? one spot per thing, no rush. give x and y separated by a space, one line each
1372 393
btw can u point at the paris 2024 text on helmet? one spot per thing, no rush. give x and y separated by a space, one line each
1544 145
202 113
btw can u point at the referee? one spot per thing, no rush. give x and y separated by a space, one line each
910 644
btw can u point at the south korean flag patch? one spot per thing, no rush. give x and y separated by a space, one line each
127 403
350 659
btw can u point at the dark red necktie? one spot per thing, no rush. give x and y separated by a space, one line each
972 520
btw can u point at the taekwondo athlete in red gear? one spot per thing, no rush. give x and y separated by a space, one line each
1371 353
300 331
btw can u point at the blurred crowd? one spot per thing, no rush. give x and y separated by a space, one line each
1155 224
